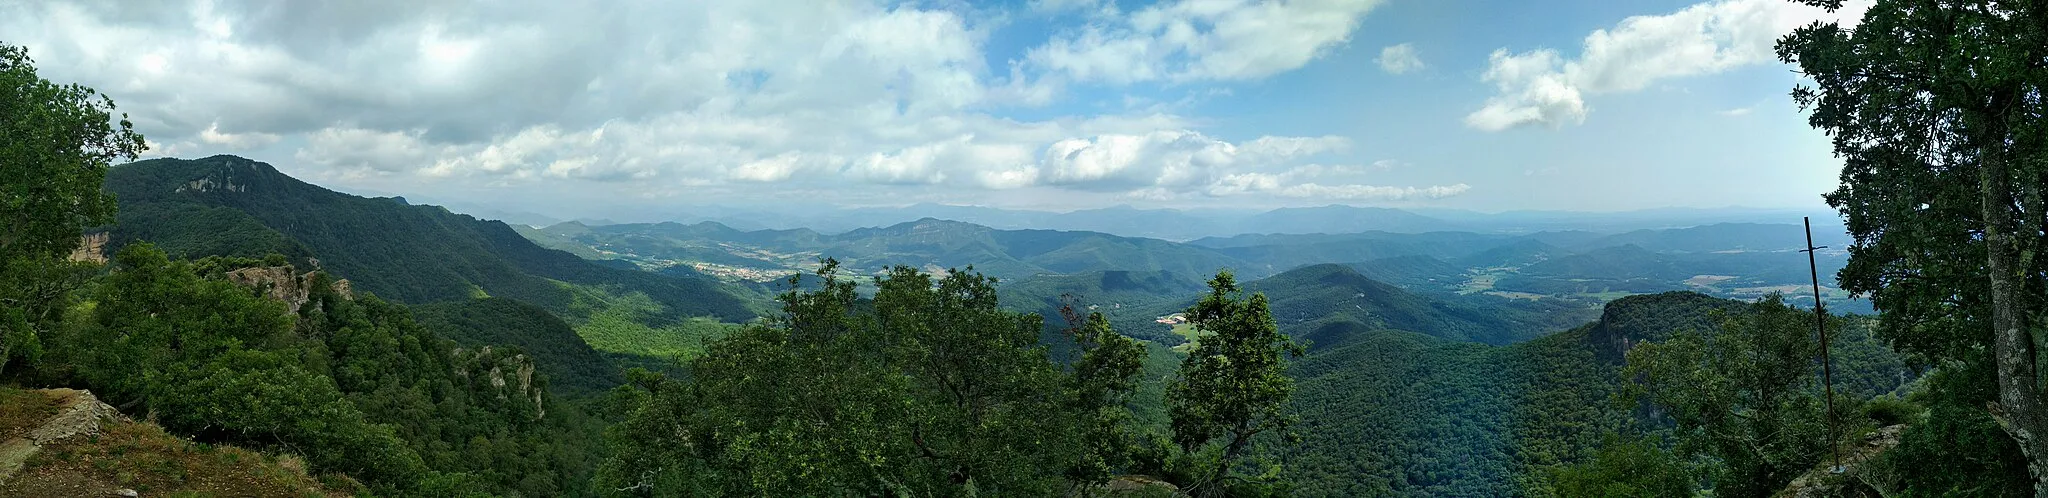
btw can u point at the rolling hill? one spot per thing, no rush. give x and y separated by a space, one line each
1336 293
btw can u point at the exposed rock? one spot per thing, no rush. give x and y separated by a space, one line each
81 417
130 493
82 414
1859 477
284 283
493 369
92 248
208 185
1133 485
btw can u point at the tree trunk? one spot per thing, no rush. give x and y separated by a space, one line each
2019 395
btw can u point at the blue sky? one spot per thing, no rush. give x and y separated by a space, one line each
1045 104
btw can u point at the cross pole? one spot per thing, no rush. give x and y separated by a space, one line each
1820 325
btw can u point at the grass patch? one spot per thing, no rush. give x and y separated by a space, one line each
1187 332
22 411
144 458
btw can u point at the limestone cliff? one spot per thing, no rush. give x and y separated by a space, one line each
284 283
493 366
92 248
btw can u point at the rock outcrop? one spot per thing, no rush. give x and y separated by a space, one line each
494 367
1860 476
81 413
284 283
92 248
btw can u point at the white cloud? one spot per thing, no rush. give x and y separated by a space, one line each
1297 183
235 141
1174 158
656 100
1736 112
1184 40
1541 87
1399 59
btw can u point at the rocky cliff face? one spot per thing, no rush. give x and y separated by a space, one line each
284 283
494 367
92 248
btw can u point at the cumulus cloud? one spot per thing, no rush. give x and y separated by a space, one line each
1169 158
1543 88
1399 59
661 98
1307 182
1186 40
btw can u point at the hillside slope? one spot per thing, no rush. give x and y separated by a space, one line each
227 205
1333 293
1391 413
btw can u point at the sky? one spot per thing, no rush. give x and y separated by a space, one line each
562 107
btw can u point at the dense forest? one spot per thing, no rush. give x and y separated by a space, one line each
389 349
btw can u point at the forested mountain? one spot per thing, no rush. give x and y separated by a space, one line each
231 206
1313 296
1391 413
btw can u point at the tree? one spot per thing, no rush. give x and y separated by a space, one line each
1936 107
1623 467
1745 396
929 388
1233 386
1103 380
56 143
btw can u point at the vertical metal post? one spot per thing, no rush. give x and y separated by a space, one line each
1820 324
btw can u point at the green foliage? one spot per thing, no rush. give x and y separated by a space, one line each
1745 396
928 389
570 363
214 359
1233 386
56 143
632 324
1403 414
1625 468
354 385
1956 448
1936 108
1104 380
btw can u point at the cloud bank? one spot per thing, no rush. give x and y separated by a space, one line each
670 97
1543 87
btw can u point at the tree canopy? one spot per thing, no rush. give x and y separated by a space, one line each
56 143
1937 109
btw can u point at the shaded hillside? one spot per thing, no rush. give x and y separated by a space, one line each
571 364
1521 251
1412 272
1731 237
227 205
1325 293
1132 300
1389 413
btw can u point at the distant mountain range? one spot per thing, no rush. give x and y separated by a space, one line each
1190 224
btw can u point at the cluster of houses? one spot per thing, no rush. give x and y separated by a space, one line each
1173 319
